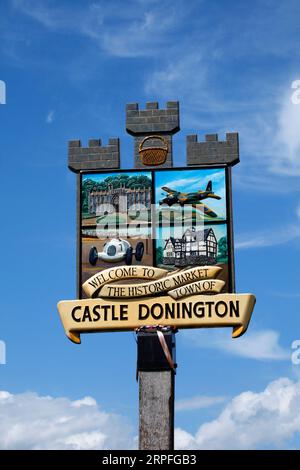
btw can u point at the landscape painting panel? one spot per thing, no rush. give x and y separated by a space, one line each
115 221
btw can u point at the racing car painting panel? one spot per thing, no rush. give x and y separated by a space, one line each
115 213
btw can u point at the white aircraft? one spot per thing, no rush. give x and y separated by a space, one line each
117 249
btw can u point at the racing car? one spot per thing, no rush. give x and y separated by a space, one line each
117 249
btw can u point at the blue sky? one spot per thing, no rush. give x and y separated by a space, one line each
70 67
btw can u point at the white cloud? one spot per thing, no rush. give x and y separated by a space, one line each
269 125
142 36
287 159
49 17
50 117
184 440
188 66
194 183
198 402
177 183
251 420
185 77
258 107
30 421
267 238
259 345
141 29
254 177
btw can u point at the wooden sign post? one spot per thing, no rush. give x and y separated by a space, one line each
155 251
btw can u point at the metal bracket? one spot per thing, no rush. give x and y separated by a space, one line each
156 349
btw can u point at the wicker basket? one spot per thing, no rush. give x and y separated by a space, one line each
153 155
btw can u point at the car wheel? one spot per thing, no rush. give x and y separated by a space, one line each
128 256
139 251
93 256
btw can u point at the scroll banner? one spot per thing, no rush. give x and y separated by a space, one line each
196 311
160 281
